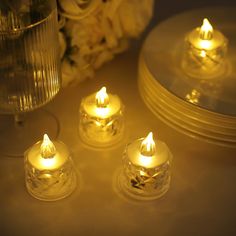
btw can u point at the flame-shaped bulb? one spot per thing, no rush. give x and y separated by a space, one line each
47 149
102 98
148 146
206 30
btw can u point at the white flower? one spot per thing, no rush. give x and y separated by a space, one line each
96 30
78 9
135 15
70 7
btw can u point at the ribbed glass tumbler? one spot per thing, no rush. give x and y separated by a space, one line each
29 71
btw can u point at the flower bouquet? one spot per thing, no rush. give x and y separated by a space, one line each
93 31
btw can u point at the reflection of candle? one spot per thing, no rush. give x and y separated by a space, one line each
49 170
193 97
205 52
101 119
146 173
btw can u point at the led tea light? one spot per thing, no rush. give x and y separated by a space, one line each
146 170
205 52
49 171
101 119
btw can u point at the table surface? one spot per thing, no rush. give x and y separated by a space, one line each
200 201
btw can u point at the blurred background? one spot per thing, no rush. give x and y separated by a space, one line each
165 9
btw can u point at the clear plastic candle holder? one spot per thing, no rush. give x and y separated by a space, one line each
146 171
101 119
205 52
49 170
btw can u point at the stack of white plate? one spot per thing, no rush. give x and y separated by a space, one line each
204 109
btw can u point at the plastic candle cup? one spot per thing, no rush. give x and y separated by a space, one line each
49 170
146 169
205 52
101 119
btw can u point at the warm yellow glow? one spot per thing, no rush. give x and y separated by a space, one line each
102 98
102 112
47 149
47 162
148 146
206 30
203 53
145 161
205 44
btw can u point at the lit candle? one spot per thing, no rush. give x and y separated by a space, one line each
205 52
146 172
49 171
101 119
